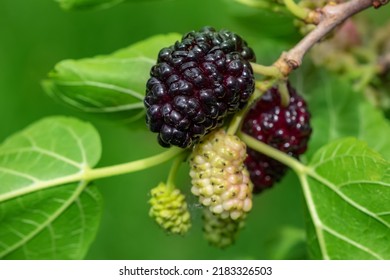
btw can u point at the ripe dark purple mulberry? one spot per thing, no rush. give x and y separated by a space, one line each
284 128
196 83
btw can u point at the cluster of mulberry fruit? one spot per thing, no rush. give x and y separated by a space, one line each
196 83
284 128
194 86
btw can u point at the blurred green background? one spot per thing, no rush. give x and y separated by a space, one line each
35 35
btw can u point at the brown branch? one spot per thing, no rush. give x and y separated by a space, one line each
327 19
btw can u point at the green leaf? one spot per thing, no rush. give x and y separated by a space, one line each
347 191
374 129
90 4
338 111
258 13
112 85
87 4
42 216
272 6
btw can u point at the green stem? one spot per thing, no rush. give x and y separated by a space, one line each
271 71
261 87
133 166
174 169
275 7
235 123
88 174
255 4
296 10
284 93
269 151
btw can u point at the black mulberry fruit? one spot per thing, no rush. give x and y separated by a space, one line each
196 83
284 128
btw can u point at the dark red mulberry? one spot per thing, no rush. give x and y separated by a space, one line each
284 128
196 83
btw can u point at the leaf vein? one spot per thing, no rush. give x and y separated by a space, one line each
80 146
383 213
342 156
50 218
20 174
358 206
352 242
363 182
119 89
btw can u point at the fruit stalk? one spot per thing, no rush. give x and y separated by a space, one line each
174 169
296 10
132 166
272 153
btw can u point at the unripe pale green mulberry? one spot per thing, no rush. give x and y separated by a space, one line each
169 209
219 176
220 232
